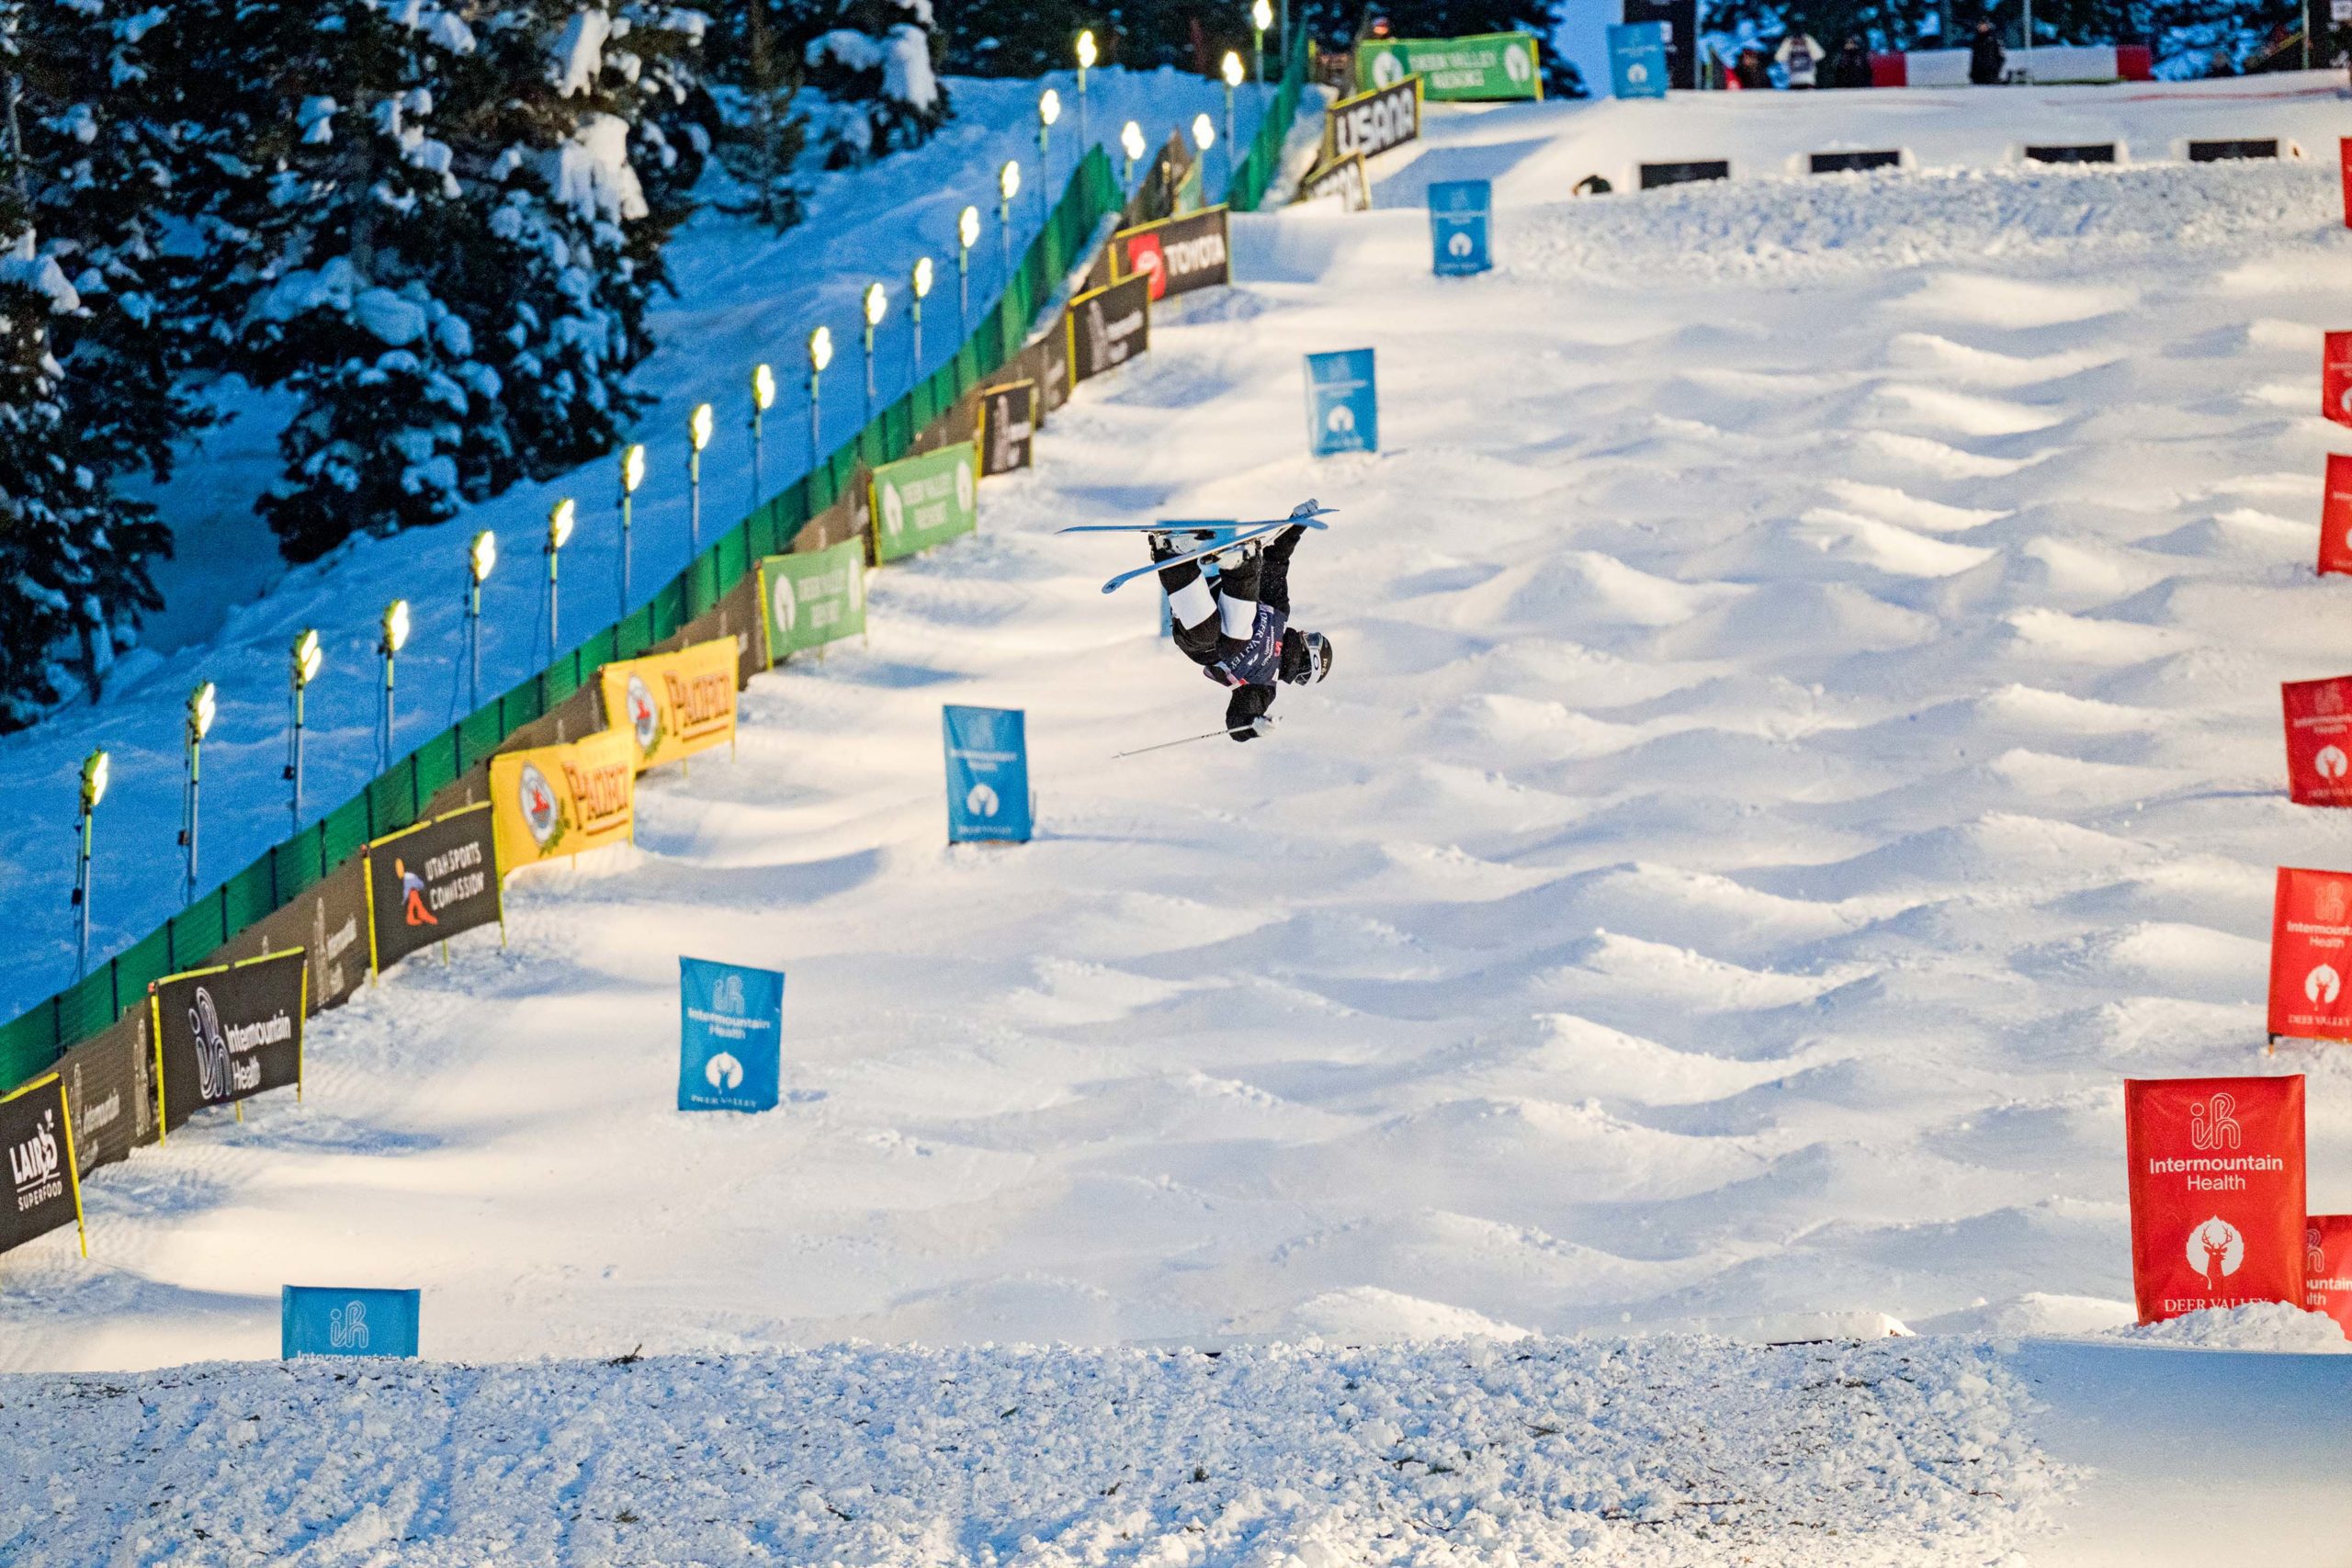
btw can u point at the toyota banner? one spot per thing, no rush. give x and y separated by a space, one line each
430 881
925 501
1176 255
1109 327
45 1186
813 597
227 1034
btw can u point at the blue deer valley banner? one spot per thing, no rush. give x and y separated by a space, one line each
1342 404
1460 213
326 1320
731 1030
988 775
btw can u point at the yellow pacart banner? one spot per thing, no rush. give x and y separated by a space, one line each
561 800
674 704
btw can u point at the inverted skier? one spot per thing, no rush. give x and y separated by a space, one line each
1238 628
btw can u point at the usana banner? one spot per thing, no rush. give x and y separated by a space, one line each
430 881
813 597
925 501
674 704
228 1033
1370 123
551 801
44 1185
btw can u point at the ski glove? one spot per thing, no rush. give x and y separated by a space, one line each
1244 712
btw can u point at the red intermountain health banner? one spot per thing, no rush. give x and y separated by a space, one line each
2335 377
2327 1267
2217 1193
2318 740
2335 516
2311 924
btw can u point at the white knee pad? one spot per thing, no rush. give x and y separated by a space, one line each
1241 616
1192 603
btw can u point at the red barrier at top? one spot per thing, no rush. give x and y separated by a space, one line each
2311 923
2344 161
2318 740
1890 70
2335 377
2217 1193
2135 63
2327 1267
2335 516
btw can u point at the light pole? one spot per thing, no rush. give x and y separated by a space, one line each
1086 57
1049 109
967 235
1131 143
561 518
202 705
304 658
395 637
481 555
1232 71
918 287
1262 17
876 302
93 789
763 400
1203 137
821 353
1007 185
698 426
632 476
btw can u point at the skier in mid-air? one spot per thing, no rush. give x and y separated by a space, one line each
1237 627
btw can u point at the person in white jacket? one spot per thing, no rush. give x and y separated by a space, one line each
1800 57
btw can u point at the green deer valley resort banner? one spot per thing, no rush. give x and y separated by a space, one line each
1484 68
925 501
813 597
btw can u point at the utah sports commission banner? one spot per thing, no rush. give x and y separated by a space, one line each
227 1034
1008 427
1175 254
1370 123
2318 740
674 704
551 801
45 1180
430 881
813 597
925 501
1108 327
2217 1193
2311 924
1481 68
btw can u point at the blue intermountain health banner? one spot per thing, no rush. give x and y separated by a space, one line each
730 1036
1638 59
1460 212
1342 404
322 1320
988 774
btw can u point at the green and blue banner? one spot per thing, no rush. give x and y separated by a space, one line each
1482 68
1460 213
730 1036
326 1320
988 775
1342 404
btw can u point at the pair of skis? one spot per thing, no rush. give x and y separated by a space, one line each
1304 516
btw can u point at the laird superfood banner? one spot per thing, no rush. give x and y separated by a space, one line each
2327 1267
2335 377
563 800
1176 255
44 1181
674 704
430 881
813 597
2318 740
2311 924
2217 1193
1481 68
925 501
228 1033
1370 123
2335 516
1109 327
1008 427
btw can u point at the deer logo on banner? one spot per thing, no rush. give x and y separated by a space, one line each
2215 1250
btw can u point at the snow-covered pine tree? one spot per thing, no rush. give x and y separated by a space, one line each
74 557
755 75
875 63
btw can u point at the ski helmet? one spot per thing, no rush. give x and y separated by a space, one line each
1307 656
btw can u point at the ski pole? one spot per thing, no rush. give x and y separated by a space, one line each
1258 725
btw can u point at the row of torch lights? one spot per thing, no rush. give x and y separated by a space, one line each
306 657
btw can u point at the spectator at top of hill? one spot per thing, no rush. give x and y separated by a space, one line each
1851 66
1800 59
1749 70
1986 56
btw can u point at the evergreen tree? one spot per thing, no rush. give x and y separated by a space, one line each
757 77
877 64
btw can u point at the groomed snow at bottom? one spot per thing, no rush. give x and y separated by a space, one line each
1657 1452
